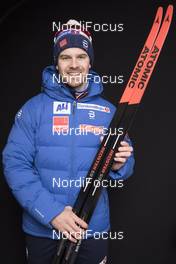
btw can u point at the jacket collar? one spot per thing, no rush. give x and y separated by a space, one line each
57 90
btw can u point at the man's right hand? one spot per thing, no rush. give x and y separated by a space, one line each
70 224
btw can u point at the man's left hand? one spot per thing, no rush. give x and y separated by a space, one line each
124 152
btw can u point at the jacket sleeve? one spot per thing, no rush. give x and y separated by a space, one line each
127 169
20 172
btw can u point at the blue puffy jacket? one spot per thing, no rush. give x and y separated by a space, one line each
39 161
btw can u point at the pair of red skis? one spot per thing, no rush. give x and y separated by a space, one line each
88 196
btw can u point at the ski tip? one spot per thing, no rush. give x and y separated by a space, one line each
159 15
160 9
171 7
169 13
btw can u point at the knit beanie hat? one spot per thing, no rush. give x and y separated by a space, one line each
73 36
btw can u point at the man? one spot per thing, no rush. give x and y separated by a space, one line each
44 152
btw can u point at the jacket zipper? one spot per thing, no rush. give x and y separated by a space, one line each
72 146
74 105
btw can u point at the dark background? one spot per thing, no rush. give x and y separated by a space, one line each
144 209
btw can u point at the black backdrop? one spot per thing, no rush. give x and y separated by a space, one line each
144 209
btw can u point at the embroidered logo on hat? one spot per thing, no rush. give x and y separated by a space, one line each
63 42
85 44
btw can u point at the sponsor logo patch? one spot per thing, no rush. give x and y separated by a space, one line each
60 124
91 114
61 108
63 42
93 107
18 115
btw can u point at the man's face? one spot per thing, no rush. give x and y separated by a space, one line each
73 66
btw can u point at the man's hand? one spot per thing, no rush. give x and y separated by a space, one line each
67 222
124 152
